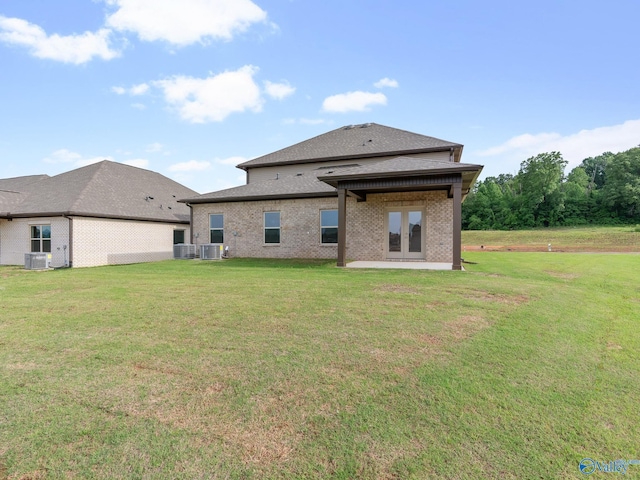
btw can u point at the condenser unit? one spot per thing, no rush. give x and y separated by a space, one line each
184 251
37 261
211 251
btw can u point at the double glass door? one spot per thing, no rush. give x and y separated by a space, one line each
405 233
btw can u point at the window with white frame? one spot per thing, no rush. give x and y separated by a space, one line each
41 238
216 228
271 227
329 227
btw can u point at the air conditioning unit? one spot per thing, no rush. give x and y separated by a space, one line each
184 251
37 261
211 251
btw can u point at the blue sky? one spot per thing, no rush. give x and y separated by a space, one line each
190 88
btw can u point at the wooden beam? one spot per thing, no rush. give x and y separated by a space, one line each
360 197
342 226
457 225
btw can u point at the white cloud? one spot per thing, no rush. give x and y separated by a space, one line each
353 102
212 99
574 147
75 49
139 89
139 106
305 121
134 90
184 22
75 159
62 156
386 82
190 166
278 90
233 161
137 162
155 147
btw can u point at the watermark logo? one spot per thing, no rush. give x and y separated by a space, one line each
588 466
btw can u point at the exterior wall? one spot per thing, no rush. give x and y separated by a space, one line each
95 241
98 241
15 239
300 226
269 173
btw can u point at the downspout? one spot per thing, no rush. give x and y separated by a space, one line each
70 240
190 223
451 155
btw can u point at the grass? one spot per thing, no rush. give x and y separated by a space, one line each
518 368
566 239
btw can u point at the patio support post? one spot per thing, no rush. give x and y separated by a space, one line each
342 226
457 225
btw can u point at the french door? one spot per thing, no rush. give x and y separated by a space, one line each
405 233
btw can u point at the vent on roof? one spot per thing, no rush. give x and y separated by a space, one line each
365 125
349 127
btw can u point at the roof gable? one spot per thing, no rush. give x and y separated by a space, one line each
353 141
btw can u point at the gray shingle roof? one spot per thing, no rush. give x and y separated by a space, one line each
289 186
104 189
399 166
354 141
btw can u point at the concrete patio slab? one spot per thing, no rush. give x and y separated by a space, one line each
402 265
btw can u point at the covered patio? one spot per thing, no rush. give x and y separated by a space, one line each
403 174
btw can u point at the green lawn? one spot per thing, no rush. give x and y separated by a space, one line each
517 368
568 239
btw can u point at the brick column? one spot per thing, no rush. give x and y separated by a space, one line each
457 225
342 226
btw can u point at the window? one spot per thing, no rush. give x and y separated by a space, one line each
178 236
271 227
329 226
216 228
41 238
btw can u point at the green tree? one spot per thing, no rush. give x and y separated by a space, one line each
540 200
596 170
622 188
576 203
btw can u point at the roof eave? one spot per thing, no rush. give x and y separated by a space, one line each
253 198
333 179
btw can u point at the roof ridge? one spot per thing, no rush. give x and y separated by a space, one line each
98 166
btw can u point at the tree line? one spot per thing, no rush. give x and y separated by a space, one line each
602 190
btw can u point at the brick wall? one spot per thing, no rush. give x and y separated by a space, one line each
95 241
15 239
99 241
300 226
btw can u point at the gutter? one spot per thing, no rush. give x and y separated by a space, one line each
95 215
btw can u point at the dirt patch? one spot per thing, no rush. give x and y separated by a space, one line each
397 288
483 296
465 326
554 248
37 475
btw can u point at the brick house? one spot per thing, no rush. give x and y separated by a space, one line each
102 214
360 192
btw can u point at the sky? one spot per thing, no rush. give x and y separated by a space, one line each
191 88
